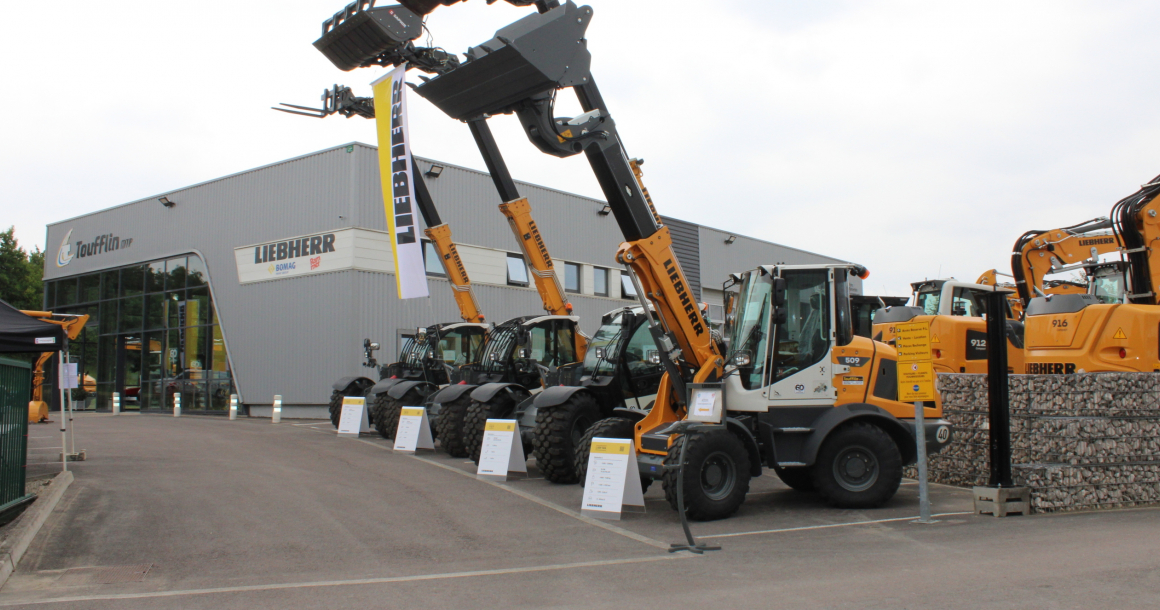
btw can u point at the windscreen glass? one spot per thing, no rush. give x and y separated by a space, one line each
751 330
604 344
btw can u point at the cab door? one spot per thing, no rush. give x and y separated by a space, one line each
801 372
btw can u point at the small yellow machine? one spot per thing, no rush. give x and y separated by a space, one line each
38 407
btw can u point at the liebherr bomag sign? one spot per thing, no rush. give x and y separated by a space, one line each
360 249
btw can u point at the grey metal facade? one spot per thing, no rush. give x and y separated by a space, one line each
295 336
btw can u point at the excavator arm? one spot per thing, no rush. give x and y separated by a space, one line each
1038 253
1137 225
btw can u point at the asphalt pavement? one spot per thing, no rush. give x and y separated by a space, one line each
202 512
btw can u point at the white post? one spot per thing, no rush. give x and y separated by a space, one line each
233 407
63 420
277 417
116 403
923 491
177 404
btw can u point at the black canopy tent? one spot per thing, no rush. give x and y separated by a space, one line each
22 333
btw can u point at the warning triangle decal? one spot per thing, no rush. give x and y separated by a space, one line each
934 339
1119 334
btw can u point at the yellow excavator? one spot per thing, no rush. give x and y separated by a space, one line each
73 325
1117 326
801 393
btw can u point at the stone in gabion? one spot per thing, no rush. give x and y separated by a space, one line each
1081 442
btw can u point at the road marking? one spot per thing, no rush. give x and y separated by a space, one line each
527 496
556 507
342 583
819 527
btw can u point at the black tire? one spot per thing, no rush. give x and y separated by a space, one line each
613 427
335 407
799 479
387 411
716 474
450 424
858 466
560 432
475 419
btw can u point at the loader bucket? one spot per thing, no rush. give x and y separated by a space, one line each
355 36
541 52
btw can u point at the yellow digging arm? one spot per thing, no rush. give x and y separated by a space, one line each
469 309
1038 253
519 215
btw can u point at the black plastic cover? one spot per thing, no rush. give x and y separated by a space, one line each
897 314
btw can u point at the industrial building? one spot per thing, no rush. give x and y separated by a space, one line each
267 281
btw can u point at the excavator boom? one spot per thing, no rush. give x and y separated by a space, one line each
1038 253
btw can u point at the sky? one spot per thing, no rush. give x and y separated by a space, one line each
919 139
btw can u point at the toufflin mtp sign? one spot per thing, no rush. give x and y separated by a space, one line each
102 244
359 249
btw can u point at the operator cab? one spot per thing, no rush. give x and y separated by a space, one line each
622 361
781 353
514 348
1106 282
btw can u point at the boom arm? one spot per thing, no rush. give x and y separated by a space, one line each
440 235
519 71
1038 253
1137 225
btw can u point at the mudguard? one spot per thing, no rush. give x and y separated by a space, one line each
901 433
384 385
400 389
345 384
632 415
487 391
451 393
555 396
755 465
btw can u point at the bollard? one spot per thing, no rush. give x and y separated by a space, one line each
177 404
116 403
277 417
233 407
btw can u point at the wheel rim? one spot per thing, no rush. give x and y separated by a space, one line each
718 475
856 468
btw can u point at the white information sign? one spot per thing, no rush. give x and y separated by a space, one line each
353 419
414 431
707 405
68 376
502 451
613 481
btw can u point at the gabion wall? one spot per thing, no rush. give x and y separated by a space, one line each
1080 441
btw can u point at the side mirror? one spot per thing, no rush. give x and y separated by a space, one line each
743 358
653 356
494 357
525 353
778 296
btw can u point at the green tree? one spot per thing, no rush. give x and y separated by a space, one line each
21 273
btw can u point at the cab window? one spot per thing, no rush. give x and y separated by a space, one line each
804 339
928 302
966 302
552 343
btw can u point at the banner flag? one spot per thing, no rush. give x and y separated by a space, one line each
398 191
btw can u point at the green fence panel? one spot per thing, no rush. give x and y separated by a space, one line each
15 392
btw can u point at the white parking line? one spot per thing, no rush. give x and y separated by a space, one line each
343 583
819 527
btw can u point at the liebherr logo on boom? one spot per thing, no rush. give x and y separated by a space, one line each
1095 241
453 256
534 234
687 304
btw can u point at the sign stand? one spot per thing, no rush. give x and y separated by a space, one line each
502 453
414 431
611 486
353 420
916 384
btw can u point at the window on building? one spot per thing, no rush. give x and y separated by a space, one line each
571 277
153 334
431 261
600 281
517 270
627 290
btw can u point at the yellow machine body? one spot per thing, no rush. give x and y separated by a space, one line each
958 344
1095 338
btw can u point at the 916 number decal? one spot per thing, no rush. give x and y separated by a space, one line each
1060 324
